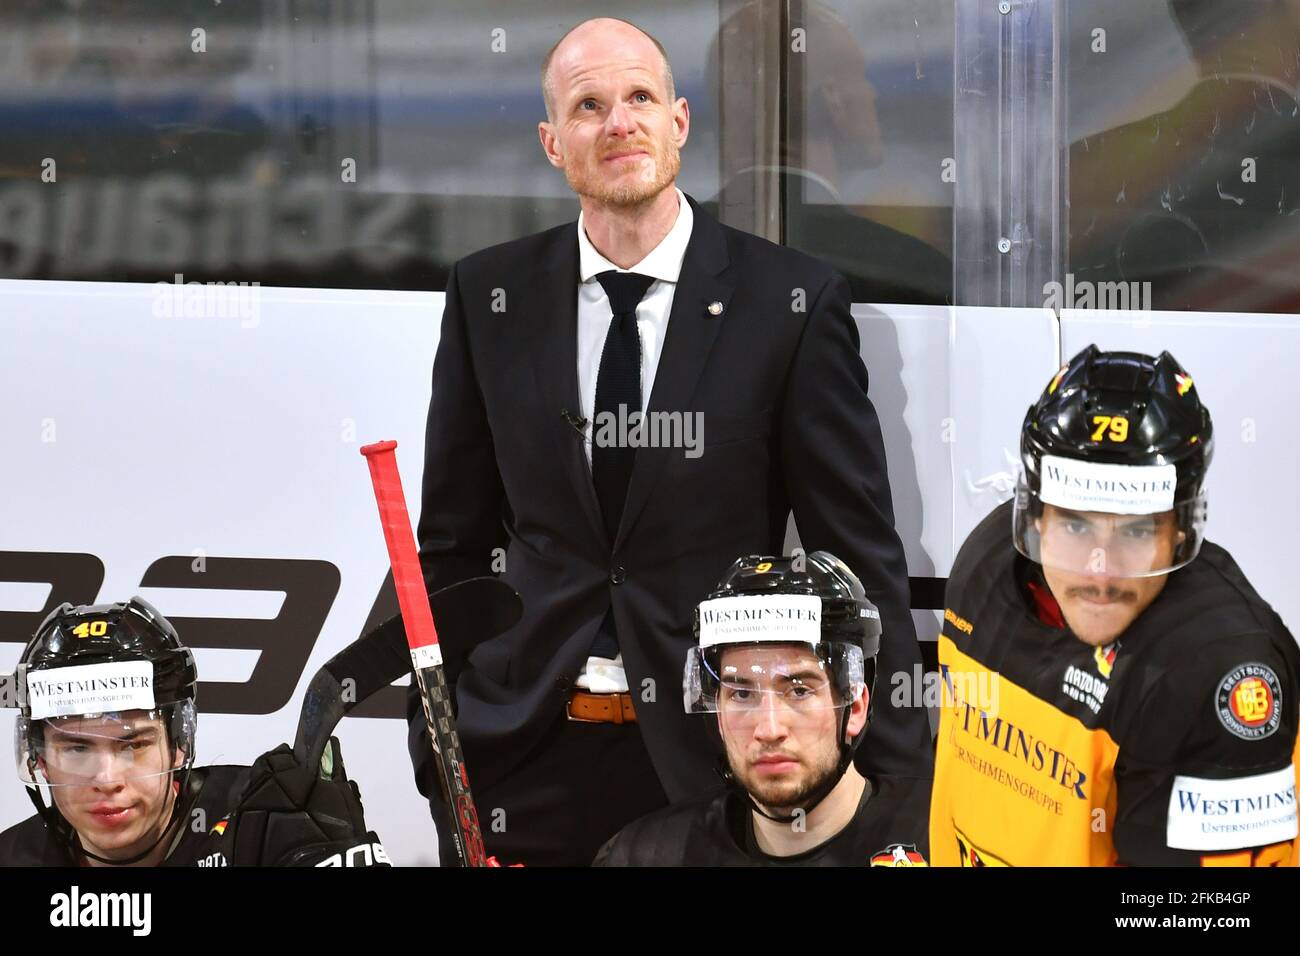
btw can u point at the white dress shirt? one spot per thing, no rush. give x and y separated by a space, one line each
664 263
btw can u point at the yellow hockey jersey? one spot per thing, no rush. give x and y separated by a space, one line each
1176 744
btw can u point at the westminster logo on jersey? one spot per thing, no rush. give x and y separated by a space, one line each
899 854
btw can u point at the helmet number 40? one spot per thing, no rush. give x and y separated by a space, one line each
91 629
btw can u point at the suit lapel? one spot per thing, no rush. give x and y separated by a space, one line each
551 323
692 330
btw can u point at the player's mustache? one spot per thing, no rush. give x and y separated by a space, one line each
626 148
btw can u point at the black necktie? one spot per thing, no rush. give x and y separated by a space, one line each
617 383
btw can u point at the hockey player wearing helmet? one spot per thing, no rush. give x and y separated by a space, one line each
1145 708
104 744
785 664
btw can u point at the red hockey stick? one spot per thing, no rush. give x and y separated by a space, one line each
426 657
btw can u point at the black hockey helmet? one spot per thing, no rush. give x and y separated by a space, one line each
1119 433
102 662
804 599
108 634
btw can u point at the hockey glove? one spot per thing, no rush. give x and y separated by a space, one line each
291 815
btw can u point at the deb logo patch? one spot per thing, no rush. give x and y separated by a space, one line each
899 854
1249 701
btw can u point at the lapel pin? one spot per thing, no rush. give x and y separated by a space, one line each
715 308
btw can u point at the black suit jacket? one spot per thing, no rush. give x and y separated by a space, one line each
787 424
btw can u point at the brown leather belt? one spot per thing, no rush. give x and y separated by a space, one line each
592 708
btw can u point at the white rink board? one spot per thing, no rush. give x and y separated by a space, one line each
229 437
1245 369
951 395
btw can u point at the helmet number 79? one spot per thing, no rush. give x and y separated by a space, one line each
1110 427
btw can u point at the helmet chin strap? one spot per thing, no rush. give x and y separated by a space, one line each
818 795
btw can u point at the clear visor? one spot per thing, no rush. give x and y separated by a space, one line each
94 750
745 679
1103 544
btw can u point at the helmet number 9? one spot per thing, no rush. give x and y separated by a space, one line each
91 629
1110 428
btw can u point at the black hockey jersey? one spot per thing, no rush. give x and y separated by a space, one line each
1173 745
889 829
211 795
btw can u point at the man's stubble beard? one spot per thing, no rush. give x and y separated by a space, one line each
788 795
588 183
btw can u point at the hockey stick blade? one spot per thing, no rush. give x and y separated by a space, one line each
468 613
